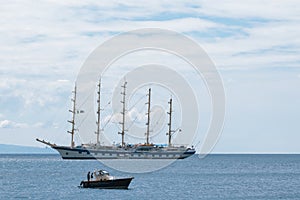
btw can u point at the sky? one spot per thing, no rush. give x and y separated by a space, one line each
255 46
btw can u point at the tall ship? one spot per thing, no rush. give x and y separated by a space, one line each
146 150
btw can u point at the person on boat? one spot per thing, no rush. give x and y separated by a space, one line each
88 176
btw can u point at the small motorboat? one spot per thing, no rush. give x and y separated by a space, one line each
102 180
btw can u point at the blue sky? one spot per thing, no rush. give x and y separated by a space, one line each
255 45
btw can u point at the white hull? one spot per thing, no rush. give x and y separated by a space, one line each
83 153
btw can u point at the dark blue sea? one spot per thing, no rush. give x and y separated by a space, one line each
214 177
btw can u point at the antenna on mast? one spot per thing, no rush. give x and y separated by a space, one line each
123 113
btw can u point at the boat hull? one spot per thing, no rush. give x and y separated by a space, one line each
81 154
121 183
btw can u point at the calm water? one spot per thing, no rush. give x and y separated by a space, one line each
215 177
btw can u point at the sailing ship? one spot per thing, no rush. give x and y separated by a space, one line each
123 151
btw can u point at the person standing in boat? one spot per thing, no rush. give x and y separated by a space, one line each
88 176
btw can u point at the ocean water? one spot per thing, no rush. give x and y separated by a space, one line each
214 177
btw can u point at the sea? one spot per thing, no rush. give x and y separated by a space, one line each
41 176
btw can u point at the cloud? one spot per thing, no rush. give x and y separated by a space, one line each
254 9
232 32
135 115
15 125
182 25
12 124
35 92
264 45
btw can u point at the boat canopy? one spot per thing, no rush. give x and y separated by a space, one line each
103 173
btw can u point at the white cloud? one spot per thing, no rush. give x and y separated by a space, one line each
35 91
182 25
265 9
63 81
262 46
135 115
38 125
57 44
12 124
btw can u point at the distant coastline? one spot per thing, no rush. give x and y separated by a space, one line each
17 149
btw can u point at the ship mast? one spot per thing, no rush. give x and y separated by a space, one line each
169 124
73 118
123 113
148 120
98 113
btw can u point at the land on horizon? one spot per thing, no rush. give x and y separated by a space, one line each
18 149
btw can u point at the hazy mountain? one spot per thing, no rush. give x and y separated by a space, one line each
7 149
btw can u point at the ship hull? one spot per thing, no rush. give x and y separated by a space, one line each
81 153
121 183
